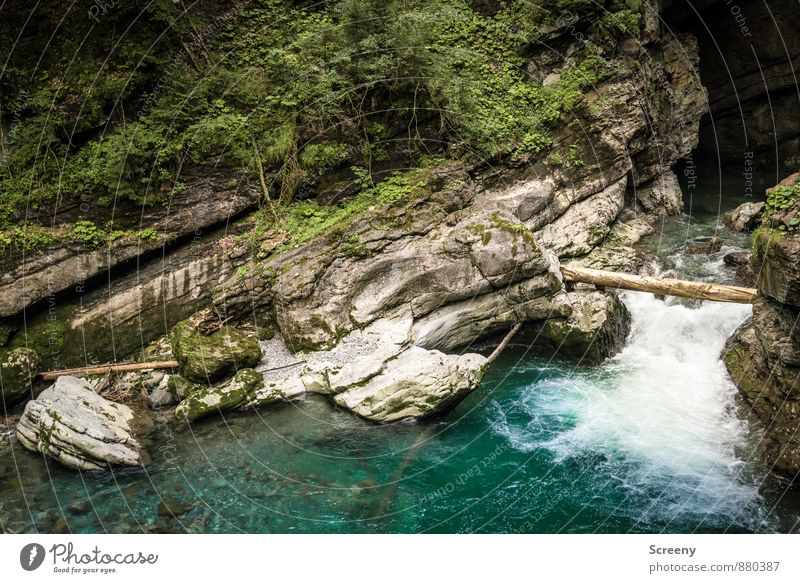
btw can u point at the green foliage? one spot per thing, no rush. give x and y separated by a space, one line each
300 87
87 232
303 221
783 198
25 238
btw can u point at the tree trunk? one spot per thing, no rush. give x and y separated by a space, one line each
663 286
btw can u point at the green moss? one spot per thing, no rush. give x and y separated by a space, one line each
18 368
213 357
205 401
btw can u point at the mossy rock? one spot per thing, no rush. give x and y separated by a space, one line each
17 370
207 359
206 401
180 387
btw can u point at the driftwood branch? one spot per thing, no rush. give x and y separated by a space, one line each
106 368
502 346
662 286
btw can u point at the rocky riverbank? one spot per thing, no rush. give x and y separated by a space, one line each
380 311
763 357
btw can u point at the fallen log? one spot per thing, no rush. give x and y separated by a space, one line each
662 286
502 346
106 368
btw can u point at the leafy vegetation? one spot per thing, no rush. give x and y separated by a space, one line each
118 107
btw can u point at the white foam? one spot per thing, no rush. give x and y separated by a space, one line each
661 413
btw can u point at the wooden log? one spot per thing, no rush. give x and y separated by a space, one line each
662 286
106 368
502 346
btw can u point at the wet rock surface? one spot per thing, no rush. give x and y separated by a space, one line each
595 329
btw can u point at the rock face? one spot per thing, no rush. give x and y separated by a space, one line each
763 356
205 202
662 195
207 359
204 401
17 370
595 329
471 251
744 217
72 424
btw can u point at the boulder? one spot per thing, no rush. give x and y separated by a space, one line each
595 330
162 395
180 387
17 370
661 196
776 259
741 263
744 217
204 401
72 424
416 384
713 245
207 359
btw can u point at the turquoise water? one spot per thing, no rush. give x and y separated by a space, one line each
648 442
653 440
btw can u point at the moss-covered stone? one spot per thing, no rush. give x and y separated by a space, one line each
207 359
17 370
206 401
180 387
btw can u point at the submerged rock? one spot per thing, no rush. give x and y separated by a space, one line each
204 401
207 359
72 424
172 508
744 217
17 371
706 247
595 330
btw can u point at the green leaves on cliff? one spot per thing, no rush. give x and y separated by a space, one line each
782 209
316 87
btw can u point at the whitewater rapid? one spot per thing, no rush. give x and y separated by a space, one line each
659 420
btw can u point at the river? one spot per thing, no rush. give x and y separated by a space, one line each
652 440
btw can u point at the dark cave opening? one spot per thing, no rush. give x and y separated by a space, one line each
750 138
